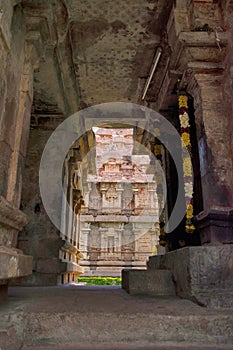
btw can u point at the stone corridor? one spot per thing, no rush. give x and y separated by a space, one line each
164 70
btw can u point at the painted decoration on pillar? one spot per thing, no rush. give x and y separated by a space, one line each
187 165
159 181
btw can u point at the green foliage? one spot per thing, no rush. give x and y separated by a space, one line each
100 281
154 251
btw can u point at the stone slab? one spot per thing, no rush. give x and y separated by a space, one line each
203 274
127 346
14 264
107 272
155 282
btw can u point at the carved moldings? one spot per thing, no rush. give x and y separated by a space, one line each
193 45
112 193
10 216
70 256
216 226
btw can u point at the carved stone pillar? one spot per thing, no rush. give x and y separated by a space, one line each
12 261
216 165
16 90
201 51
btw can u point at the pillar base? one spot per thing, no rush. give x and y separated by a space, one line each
216 226
201 274
13 263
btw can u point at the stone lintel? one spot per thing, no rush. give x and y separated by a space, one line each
199 71
216 225
144 219
119 218
10 216
104 218
205 67
203 39
116 263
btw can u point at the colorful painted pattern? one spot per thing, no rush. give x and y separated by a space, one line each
187 164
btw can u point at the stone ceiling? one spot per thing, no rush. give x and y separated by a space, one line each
94 51
113 46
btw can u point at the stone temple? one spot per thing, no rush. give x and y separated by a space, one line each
121 193
116 158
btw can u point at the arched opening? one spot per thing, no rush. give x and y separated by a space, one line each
109 198
112 211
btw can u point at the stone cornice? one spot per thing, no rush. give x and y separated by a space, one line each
10 216
192 49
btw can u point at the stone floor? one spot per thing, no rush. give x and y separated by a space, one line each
80 317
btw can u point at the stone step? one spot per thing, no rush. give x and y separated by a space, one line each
127 346
202 274
58 330
152 282
109 318
158 262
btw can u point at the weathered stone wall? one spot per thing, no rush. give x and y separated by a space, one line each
55 254
40 238
11 70
16 94
20 55
227 13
